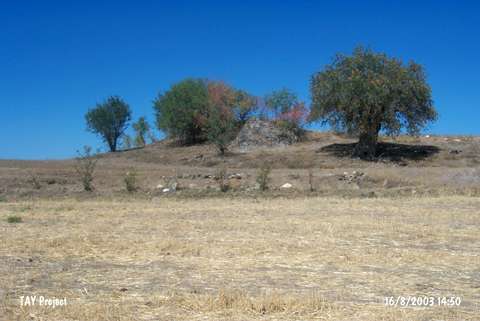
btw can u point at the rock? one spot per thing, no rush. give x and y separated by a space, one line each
286 186
160 186
235 176
455 151
262 133
166 190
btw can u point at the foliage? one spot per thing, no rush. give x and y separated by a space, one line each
181 112
289 114
109 120
368 92
263 177
221 125
85 167
14 219
130 180
142 132
281 101
244 107
294 119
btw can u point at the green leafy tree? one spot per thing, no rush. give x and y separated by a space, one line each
181 112
142 131
280 101
109 120
369 92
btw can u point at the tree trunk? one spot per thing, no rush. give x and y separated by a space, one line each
367 144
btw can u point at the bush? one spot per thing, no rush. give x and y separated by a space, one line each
130 180
35 182
222 179
142 132
14 219
263 177
85 167
310 180
109 120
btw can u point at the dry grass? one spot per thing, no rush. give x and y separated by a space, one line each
217 259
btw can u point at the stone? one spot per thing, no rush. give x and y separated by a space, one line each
286 186
160 186
262 133
166 190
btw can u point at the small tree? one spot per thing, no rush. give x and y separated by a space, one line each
85 167
142 130
221 125
281 101
368 92
109 120
244 106
181 112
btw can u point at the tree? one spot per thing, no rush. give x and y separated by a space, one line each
221 122
142 130
244 106
370 92
109 120
289 112
181 112
280 101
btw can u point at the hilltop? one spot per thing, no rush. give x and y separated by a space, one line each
405 165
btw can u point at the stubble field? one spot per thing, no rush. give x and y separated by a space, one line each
241 259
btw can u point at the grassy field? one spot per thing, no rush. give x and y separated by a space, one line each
240 259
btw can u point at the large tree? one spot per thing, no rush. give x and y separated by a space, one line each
109 120
369 92
181 111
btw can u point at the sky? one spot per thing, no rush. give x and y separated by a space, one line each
60 58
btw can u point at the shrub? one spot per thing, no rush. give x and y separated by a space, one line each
85 167
263 177
368 92
109 120
142 132
222 179
14 219
130 180
310 180
35 182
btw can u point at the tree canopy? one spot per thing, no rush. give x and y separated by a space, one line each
369 92
109 120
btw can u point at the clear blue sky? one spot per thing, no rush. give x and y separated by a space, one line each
59 58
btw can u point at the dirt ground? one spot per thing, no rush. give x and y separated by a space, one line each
345 237
433 165
316 258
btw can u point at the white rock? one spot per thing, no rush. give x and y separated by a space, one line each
160 186
287 185
166 190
